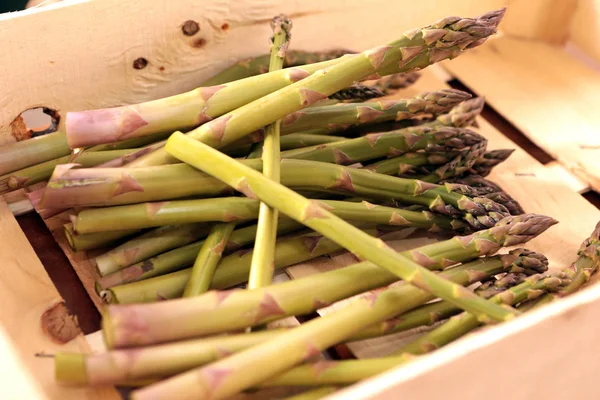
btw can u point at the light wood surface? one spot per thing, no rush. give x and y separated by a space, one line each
585 27
542 20
32 316
547 94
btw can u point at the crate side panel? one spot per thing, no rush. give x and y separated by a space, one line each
26 295
585 28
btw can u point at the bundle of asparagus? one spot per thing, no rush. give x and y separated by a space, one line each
323 165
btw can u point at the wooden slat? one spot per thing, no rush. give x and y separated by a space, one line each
77 68
547 354
26 295
585 28
547 94
543 20
537 188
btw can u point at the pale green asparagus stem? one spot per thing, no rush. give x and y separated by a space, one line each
298 140
261 269
580 272
524 262
209 256
457 326
315 216
42 171
230 209
150 243
260 65
321 120
182 111
239 371
151 362
208 315
420 48
512 231
96 240
26 153
118 186
344 115
233 269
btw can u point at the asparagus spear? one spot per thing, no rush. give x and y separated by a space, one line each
447 38
150 243
328 119
239 371
79 187
89 241
358 92
490 159
182 256
41 172
146 215
263 259
298 140
315 216
424 104
407 162
457 326
490 190
398 81
463 114
580 272
130 157
229 209
182 111
512 231
164 360
208 258
232 270
150 362
26 153
260 65
525 263
133 143
207 315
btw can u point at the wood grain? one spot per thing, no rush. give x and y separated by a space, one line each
585 27
547 94
543 20
26 293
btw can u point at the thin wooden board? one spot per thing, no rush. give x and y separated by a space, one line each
532 184
546 93
26 293
72 67
585 27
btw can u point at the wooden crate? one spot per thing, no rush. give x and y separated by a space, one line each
77 55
